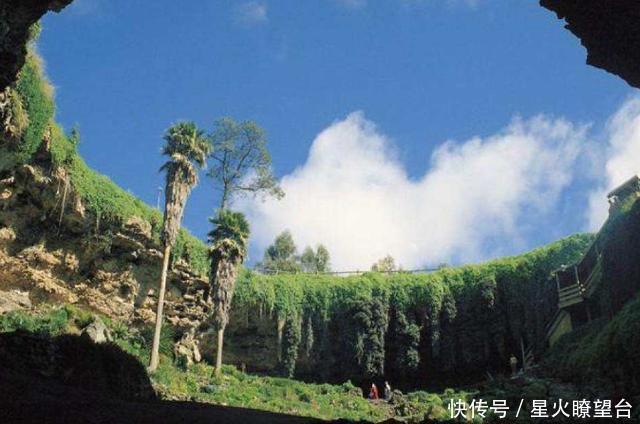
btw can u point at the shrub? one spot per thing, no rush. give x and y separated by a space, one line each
53 322
37 99
364 325
80 317
167 338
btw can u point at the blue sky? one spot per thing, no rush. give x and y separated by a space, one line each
422 72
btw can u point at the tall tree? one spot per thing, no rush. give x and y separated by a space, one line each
281 255
240 163
386 264
229 239
323 260
308 260
187 149
315 261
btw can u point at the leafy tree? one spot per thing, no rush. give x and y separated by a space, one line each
187 149
308 260
292 335
281 255
386 264
408 339
323 261
229 239
315 262
240 162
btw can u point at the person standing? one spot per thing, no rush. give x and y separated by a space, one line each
514 364
373 393
387 391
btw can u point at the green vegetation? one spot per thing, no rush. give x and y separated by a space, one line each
37 99
186 149
317 261
232 387
229 243
110 205
386 264
603 353
235 388
281 256
240 163
450 325
55 322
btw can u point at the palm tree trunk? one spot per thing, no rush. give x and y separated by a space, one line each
219 351
155 349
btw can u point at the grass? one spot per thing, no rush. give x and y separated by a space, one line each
108 203
282 395
233 387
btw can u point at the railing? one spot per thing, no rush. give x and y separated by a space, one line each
574 285
357 272
570 296
591 282
553 323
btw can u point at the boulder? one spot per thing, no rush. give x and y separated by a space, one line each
187 350
97 331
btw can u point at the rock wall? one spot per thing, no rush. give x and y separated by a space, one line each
53 251
608 30
415 330
16 20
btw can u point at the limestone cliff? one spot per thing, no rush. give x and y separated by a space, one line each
50 252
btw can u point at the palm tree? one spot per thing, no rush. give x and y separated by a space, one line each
187 148
229 239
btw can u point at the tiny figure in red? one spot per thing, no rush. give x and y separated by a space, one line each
373 393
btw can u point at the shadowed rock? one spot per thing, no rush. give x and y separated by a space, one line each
70 379
16 18
609 31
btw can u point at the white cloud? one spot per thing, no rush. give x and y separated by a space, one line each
252 13
621 158
354 196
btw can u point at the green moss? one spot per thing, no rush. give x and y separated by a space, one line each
37 100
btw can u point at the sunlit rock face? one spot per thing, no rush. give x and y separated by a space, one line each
16 18
609 31
49 257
